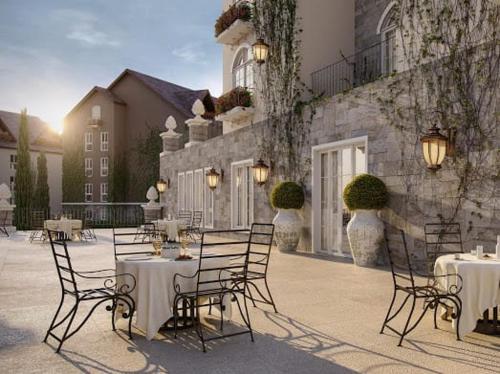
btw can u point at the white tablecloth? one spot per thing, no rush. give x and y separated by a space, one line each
154 293
481 285
68 226
169 227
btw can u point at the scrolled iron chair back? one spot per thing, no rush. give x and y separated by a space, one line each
401 271
62 260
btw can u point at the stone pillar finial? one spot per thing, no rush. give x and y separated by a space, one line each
198 126
171 140
170 125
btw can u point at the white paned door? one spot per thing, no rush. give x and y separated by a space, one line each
242 198
334 167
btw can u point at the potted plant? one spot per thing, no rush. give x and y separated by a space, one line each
365 196
288 198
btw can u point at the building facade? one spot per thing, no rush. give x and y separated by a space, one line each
349 135
42 139
114 124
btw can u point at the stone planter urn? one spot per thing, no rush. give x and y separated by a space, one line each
287 229
288 198
365 231
365 195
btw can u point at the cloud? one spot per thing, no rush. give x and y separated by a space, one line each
191 52
84 28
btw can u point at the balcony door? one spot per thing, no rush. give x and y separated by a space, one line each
241 194
334 166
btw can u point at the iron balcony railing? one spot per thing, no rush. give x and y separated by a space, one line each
101 215
353 71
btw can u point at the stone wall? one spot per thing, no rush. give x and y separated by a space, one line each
344 117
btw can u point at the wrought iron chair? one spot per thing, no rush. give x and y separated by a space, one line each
220 286
87 232
432 295
110 291
441 239
38 232
145 232
261 240
3 223
185 216
122 240
194 229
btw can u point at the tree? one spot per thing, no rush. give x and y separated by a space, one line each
73 172
41 197
23 182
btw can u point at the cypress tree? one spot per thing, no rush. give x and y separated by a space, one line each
23 183
41 197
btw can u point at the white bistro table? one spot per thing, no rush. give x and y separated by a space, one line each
171 228
480 288
68 226
154 292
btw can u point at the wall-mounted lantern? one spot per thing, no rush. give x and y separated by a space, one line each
434 146
260 172
213 178
162 185
260 50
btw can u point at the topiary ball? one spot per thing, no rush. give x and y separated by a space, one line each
287 195
366 192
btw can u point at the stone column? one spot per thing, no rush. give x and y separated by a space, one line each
172 141
198 126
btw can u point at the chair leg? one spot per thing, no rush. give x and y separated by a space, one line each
63 338
221 299
386 319
199 328
436 307
113 314
405 330
248 317
250 295
54 319
270 296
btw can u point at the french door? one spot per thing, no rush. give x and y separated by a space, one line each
241 194
334 166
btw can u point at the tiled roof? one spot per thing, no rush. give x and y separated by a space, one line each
181 97
41 135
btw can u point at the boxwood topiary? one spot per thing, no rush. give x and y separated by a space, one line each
287 195
366 192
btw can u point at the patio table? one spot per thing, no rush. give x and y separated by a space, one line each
154 292
480 289
171 228
68 226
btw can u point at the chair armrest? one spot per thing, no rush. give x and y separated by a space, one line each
455 288
177 286
110 280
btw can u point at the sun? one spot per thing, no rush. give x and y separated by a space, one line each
57 125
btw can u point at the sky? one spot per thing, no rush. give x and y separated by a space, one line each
52 52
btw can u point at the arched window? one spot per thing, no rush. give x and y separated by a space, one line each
243 69
387 28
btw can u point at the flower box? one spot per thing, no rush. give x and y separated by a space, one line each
234 24
235 106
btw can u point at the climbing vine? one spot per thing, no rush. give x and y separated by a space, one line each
450 52
282 91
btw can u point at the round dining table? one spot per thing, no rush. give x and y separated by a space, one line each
480 285
154 292
68 226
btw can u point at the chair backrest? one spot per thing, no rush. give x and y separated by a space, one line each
38 218
217 269
124 244
185 216
401 268
197 219
441 239
62 260
261 241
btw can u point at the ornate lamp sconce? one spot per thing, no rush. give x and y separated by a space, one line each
214 178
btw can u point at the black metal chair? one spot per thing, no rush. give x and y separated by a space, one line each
194 229
125 244
441 239
38 232
431 294
185 216
110 291
221 286
87 232
4 214
145 232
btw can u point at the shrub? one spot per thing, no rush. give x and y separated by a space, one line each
237 97
366 192
287 195
235 12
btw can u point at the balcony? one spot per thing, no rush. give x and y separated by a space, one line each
94 123
234 24
357 70
235 106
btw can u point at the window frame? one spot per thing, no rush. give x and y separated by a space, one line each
104 169
104 192
90 161
248 194
13 161
89 141
246 67
89 192
104 142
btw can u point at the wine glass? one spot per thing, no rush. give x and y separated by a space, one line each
157 243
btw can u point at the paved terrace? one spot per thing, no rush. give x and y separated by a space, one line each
329 321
